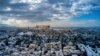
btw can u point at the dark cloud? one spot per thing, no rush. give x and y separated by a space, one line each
46 10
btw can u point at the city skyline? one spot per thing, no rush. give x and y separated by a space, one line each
56 13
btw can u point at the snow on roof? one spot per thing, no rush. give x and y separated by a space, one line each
15 53
29 33
21 33
74 55
26 33
89 51
98 50
81 47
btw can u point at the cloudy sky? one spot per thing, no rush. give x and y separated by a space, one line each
60 13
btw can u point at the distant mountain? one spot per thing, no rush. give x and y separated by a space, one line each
4 25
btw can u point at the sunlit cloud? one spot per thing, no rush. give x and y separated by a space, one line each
18 23
32 11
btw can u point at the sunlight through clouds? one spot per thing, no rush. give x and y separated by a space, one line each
34 11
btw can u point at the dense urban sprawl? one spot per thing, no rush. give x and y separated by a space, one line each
46 41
